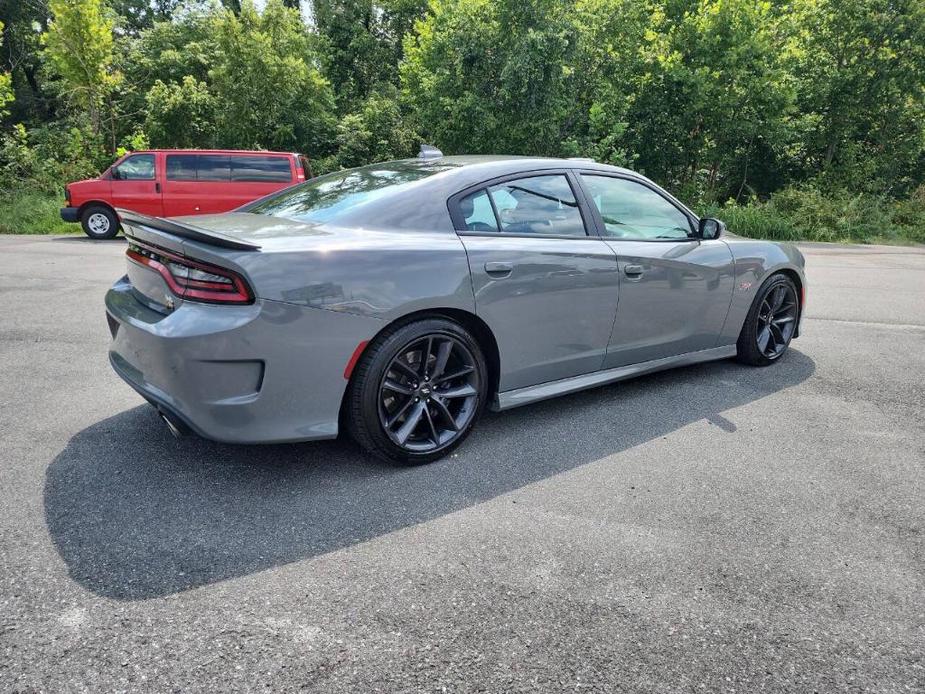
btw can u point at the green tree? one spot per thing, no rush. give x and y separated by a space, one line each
362 42
711 96
6 88
79 52
859 66
486 76
167 52
375 132
267 79
136 15
610 35
20 52
180 115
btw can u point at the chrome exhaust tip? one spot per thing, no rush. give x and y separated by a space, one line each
176 427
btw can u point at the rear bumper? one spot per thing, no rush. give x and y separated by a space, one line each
69 214
265 373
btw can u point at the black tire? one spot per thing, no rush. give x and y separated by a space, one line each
99 222
371 406
771 322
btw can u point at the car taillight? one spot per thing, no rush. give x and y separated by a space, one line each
193 280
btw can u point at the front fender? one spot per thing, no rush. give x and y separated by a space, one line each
755 261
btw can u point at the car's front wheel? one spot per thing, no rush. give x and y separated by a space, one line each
771 322
417 391
99 222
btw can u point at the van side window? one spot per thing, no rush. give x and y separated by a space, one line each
214 167
260 168
181 167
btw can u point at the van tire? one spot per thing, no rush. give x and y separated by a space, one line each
99 222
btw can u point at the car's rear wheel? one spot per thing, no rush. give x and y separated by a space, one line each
417 391
99 222
771 322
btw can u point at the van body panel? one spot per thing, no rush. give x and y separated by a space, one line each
186 182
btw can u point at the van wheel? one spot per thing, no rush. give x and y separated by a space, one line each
99 222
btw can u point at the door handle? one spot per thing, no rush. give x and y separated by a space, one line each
157 187
496 269
632 270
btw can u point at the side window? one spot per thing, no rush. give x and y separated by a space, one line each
477 213
181 167
214 167
260 169
631 210
538 205
138 167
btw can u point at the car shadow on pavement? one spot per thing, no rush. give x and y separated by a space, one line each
75 238
136 514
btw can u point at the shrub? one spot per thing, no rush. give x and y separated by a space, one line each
45 158
24 212
809 214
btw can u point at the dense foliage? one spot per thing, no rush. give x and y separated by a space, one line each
794 118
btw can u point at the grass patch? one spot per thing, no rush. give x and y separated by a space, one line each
33 213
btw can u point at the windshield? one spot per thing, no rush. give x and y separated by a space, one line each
327 198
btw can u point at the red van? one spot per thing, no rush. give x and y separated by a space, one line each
174 182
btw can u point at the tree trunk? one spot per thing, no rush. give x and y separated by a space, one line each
829 154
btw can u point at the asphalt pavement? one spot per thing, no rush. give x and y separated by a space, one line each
714 528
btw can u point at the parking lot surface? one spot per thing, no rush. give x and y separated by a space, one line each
713 528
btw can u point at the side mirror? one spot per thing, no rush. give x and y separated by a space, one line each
115 175
710 228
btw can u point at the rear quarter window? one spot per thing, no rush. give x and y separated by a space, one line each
261 169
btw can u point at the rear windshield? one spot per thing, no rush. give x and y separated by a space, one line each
327 198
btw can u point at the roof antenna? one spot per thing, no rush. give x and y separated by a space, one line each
429 152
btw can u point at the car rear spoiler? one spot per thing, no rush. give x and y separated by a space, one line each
184 230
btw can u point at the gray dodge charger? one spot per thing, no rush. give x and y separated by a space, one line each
396 301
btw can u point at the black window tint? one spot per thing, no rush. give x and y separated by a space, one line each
214 167
138 167
631 210
538 205
477 213
260 168
181 167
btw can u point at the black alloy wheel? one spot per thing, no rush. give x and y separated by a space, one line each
771 322
777 319
417 391
429 393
